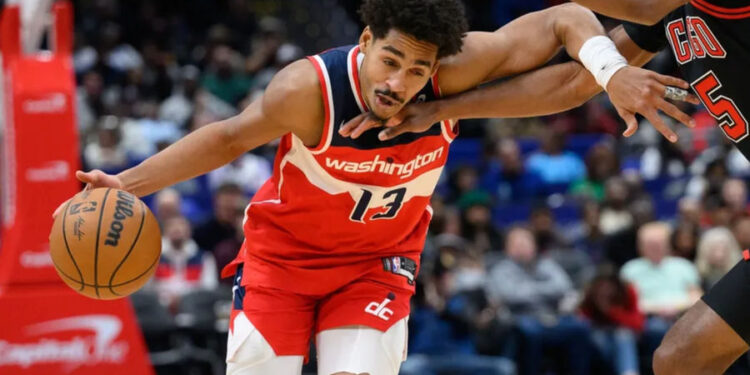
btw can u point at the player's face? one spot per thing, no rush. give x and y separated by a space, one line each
394 69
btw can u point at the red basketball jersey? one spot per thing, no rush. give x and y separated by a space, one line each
330 212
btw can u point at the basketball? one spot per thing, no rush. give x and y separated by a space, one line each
105 244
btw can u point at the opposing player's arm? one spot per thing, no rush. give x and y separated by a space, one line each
524 44
290 104
646 12
545 91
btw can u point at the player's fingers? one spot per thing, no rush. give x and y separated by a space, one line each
630 122
655 120
671 81
389 133
352 124
676 114
59 209
366 125
86 177
692 99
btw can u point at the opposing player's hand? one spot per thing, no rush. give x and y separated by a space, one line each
413 118
94 179
633 90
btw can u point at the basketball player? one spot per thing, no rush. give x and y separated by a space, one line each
333 239
710 40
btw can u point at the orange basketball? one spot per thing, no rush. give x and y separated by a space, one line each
105 244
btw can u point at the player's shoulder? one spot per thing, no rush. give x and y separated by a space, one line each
297 78
294 92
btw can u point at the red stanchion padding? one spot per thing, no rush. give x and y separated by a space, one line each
54 330
40 149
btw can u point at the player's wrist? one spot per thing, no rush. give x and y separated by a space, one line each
600 57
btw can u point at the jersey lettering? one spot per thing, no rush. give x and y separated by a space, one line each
693 40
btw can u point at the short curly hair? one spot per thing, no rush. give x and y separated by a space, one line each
439 22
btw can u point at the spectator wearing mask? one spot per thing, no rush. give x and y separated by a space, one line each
476 222
533 288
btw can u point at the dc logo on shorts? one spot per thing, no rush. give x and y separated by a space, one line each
379 309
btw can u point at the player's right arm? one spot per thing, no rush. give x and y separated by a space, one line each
291 103
646 12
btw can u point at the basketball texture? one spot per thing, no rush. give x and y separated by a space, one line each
105 244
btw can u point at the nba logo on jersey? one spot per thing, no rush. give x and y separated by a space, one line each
396 264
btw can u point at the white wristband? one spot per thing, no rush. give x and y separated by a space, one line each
600 56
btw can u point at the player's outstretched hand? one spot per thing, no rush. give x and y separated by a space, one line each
414 118
633 90
93 179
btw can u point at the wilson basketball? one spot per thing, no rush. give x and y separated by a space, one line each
105 244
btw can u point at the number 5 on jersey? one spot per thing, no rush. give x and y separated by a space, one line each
723 109
395 199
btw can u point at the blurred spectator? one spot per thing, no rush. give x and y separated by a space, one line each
685 240
709 182
734 193
89 102
586 234
621 246
476 222
167 204
505 175
179 107
107 152
615 215
249 171
224 78
662 158
229 203
612 308
183 266
463 180
689 210
601 164
741 230
532 288
666 285
550 243
553 164
718 252
266 45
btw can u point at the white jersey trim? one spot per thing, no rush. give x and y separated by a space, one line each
331 112
350 70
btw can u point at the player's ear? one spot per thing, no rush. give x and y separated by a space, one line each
365 39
